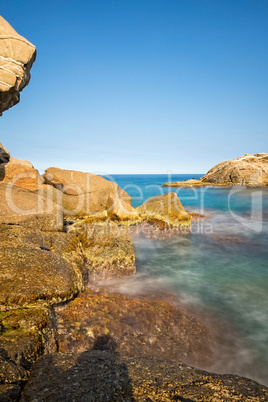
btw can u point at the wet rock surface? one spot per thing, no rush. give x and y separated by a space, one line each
105 375
32 274
137 327
106 247
25 334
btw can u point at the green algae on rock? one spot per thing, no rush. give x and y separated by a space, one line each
106 247
106 375
31 274
25 335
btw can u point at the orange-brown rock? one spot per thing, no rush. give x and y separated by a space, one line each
248 170
16 58
31 273
187 183
107 248
22 174
23 207
86 193
134 327
165 210
119 210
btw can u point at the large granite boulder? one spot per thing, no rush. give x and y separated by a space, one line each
23 207
31 273
249 170
165 210
22 174
107 248
108 376
135 327
16 58
85 193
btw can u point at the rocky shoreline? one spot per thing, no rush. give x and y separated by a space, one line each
247 170
61 340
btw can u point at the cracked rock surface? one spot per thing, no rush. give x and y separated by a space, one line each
16 59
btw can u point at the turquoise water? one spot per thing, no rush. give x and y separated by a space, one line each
220 269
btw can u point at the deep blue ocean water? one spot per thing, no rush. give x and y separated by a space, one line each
220 269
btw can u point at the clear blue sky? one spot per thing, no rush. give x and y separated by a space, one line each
140 86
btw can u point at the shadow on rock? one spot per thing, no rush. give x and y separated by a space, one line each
95 375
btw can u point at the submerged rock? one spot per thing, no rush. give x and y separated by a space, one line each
166 210
106 375
136 327
16 59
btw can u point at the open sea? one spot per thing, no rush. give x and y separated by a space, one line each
219 270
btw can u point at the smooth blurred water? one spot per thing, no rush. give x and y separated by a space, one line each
221 268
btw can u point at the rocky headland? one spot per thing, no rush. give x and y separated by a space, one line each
247 170
16 59
62 340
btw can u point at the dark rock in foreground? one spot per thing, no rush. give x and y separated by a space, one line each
133 327
107 376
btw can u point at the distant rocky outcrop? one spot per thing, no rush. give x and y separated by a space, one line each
106 375
247 170
16 59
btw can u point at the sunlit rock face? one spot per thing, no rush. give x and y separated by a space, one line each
16 59
249 170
